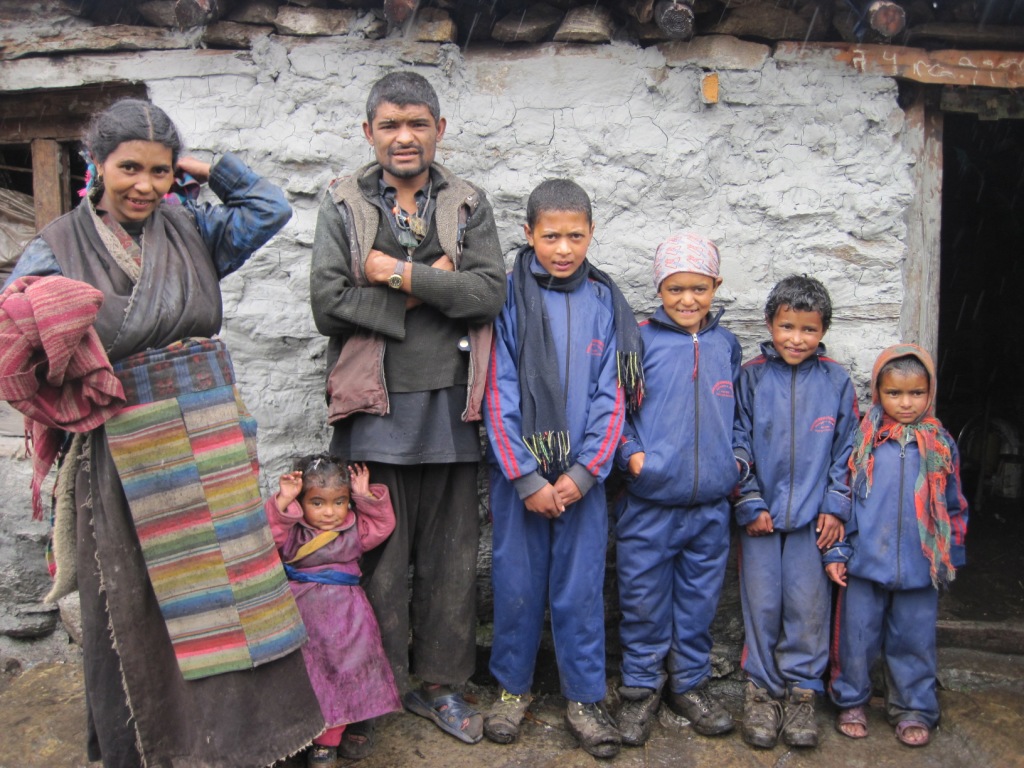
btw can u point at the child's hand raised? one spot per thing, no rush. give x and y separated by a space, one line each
288 489
360 482
837 572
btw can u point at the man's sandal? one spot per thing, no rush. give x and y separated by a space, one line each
450 713
905 729
852 716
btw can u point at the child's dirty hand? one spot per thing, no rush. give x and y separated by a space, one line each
837 572
545 502
761 526
829 529
636 463
288 489
359 481
568 491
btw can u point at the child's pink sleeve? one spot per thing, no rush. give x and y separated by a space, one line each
281 523
375 517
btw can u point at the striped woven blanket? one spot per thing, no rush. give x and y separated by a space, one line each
184 447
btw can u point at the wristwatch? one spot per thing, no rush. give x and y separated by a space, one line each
395 281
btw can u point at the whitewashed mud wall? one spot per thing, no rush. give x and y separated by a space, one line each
800 167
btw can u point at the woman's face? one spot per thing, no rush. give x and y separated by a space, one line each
135 176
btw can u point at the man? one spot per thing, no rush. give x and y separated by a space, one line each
407 275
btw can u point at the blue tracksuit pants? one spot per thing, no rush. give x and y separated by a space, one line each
899 625
537 561
671 565
786 604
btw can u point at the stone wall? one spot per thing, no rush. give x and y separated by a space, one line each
799 167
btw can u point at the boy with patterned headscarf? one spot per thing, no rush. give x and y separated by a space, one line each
905 540
672 534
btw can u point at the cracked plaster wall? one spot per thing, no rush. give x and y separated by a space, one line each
798 168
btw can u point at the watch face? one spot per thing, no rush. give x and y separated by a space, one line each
395 281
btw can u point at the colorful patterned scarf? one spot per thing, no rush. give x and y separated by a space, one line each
936 463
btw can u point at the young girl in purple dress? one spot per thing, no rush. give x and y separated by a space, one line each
323 517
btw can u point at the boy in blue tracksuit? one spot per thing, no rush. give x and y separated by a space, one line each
558 388
672 533
904 541
796 417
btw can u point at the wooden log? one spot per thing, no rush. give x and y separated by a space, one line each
641 10
397 12
675 19
767 21
886 18
159 13
313 21
232 34
586 24
432 25
536 23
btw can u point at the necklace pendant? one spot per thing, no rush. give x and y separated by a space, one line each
418 227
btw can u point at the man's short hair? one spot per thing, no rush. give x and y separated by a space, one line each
402 89
800 293
558 195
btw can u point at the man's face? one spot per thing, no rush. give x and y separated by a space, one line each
404 139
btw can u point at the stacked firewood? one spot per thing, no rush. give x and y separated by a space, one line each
935 23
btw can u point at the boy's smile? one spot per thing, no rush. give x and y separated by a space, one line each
686 297
904 397
796 333
560 239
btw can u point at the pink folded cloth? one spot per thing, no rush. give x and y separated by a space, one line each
53 367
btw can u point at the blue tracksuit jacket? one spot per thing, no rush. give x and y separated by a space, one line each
797 424
685 426
536 560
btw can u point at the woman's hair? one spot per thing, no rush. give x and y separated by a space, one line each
322 470
130 120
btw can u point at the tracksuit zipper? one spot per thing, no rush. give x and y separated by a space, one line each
792 441
696 420
899 511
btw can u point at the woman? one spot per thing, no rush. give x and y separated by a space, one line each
189 629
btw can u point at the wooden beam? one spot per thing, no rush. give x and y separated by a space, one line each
50 171
991 69
59 114
919 316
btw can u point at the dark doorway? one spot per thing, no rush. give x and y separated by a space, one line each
981 354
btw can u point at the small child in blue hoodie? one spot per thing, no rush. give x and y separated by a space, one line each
672 534
796 419
905 540
564 369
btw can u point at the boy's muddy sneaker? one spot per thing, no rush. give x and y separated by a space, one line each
501 721
707 716
593 728
762 717
799 728
636 715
